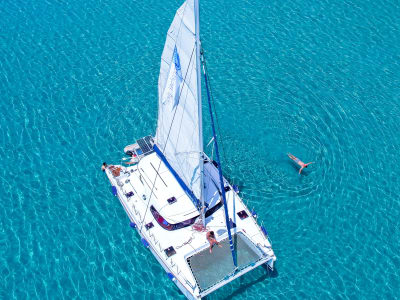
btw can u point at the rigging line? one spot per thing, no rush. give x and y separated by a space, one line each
169 131
213 102
221 179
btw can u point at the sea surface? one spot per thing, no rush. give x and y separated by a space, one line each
319 79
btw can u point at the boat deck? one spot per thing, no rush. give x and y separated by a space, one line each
134 186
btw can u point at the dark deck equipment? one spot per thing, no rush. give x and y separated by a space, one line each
145 144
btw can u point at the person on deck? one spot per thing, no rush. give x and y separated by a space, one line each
299 162
134 158
116 171
211 239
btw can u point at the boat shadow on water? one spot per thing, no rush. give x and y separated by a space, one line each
242 287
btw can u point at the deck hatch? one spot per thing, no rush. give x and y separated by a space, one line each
149 225
242 214
171 200
170 251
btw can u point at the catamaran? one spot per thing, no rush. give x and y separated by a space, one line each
173 193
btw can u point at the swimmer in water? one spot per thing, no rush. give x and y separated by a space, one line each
299 162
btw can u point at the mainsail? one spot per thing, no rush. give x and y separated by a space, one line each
179 127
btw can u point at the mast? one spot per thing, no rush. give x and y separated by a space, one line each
198 69
228 225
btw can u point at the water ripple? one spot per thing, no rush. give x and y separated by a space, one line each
78 82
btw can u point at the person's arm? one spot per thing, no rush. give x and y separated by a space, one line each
309 163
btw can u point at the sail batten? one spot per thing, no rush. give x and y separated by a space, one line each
179 130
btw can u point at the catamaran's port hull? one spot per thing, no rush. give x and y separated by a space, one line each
161 262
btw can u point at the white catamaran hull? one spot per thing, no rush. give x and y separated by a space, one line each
146 184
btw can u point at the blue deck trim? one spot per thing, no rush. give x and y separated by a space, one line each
264 230
145 243
194 199
114 190
132 224
171 276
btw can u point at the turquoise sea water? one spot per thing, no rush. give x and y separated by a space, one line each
319 79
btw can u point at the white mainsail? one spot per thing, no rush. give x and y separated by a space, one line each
179 127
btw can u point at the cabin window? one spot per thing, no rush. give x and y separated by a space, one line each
149 225
171 200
